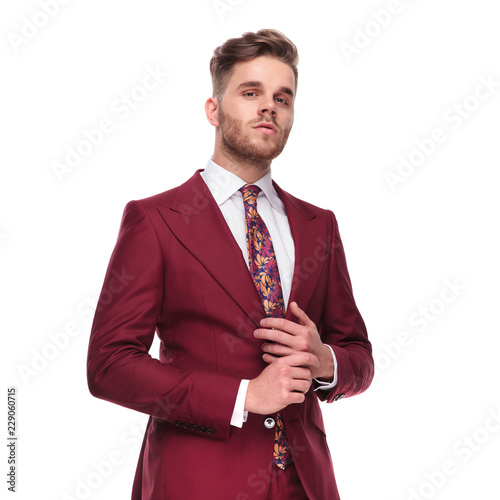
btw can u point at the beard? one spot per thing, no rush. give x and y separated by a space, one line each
241 147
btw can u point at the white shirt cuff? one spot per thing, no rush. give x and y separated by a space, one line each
328 386
239 414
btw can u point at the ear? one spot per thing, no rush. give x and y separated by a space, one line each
211 110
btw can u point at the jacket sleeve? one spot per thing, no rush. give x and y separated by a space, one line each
119 367
343 328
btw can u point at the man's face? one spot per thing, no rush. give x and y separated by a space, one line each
256 112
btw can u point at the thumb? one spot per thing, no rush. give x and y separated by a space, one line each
301 316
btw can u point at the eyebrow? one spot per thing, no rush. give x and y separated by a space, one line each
257 84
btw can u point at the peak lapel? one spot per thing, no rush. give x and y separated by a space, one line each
196 220
310 240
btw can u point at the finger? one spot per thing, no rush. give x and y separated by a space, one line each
277 349
282 324
299 373
283 337
300 386
307 361
303 359
269 358
266 334
301 316
295 398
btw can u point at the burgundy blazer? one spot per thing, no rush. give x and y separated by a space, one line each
177 270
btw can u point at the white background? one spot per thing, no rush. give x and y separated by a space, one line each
358 111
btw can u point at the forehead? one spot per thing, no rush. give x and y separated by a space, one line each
269 71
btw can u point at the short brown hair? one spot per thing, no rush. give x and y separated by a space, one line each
265 42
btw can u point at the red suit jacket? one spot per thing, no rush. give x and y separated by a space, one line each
177 270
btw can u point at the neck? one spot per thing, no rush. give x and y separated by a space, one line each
248 169
245 170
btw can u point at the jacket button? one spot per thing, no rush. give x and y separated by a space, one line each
178 423
210 430
338 396
202 428
194 427
186 425
269 422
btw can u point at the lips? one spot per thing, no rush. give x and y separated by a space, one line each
266 128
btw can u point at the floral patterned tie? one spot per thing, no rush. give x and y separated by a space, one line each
266 276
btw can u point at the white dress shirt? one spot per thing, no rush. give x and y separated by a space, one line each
224 186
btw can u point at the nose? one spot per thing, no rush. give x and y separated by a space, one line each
268 105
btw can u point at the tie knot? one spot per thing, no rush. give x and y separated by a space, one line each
250 192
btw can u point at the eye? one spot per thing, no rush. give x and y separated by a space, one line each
281 100
249 94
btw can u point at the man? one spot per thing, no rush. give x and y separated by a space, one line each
248 291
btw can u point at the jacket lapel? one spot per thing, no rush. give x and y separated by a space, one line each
309 236
196 220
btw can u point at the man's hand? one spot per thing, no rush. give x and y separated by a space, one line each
280 384
289 338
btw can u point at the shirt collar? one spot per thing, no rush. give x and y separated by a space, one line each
223 184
